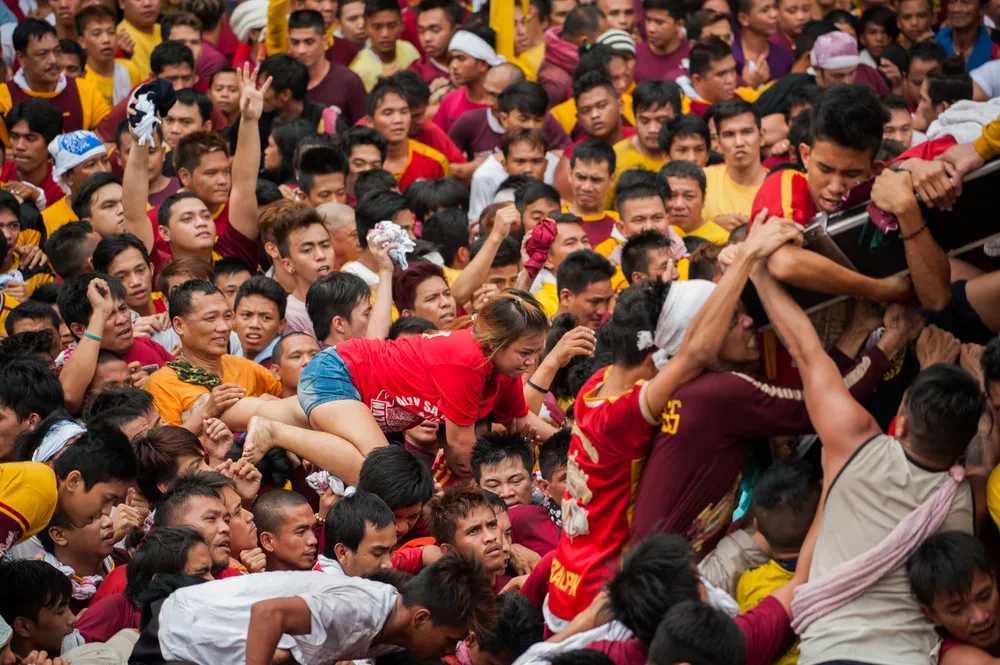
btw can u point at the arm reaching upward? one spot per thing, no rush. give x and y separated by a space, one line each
135 188
246 161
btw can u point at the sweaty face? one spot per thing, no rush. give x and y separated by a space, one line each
599 112
295 544
477 535
210 518
42 59
434 29
434 302
685 203
207 326
374 552
739 140
972 617
831 171
691 147
590 182
648 123
257 322
638 215
117 334
299 350
190 228
211 180
899 128
509 480
590 305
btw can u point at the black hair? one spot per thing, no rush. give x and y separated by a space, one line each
158 590
849 116
593 151
581 269
307 18
349 517
73 47
270 508
695 633
334 295
209 12
595 59
265 287
656 575
28 441
111 246
636 311
635 252
889 150
527 97
554 453
31 586
678 9
534 191
73 303
178 19
27 343
414 88
449 230
732 108
191 97
183 295
28 386
372 182
990 362
102 454
266 192
684 125
320 160
163 551
29 30
799 132
314 140
925 50
396 476
641 190
518 628
408 326
656 93
582 20
685 168
360 135
454 11
508 253
837 17
170 53
892 103
426 197
706 51
31 310
381 90
882 16
455 591
373 7
182 489
949 82
221 70
586 82
946 563
286 73
699 20
584 656
81 200
803 95
493 448
485 32
374 208
122 129
811 31
48 292
785 497
230 265
942 406
40 116
133 400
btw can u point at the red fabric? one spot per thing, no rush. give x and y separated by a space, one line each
409 560
229 572
608 448
948 643
427 70
421 167
410 33
229 242
106 617
531 527
113 584
928 150
538 245
784 186
228 41
599 231
627 132
454 104
342 51
433 136
147 352
537 584
52 191
437 377
555 74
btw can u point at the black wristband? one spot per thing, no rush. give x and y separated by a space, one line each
537 387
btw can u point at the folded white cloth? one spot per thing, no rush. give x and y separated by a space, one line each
964 120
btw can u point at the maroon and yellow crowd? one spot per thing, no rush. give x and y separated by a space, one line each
410 333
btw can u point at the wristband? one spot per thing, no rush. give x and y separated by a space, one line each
923 227
537 387
90 335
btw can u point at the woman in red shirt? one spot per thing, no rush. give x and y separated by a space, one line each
365 387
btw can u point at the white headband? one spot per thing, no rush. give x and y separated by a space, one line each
683 302
475 46
72 149
836 62
56 439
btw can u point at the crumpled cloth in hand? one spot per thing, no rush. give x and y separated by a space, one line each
323 480
538 245
150 99
388 233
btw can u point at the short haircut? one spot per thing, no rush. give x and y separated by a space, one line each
408 326
306 18
554 453
508 253
133 400
785 497
581 269
685 125
27 343
698 634
315 140
414 88
162 552
193 266
157 452
94 14
29 30
190 149
396 476
270 508
48 292
533 191
882 16
374 208
949 82
696 23
453 505
31 310
320 161
373 7
360 135
286 73
265 287
83 198
925 50
892 103
494 448
73 47
73 303
586 82
518 628
593 151
582 20
849 116
383 89
182 297
334 295
170 53
946 563
170 21
31 586
221 70
110 247
41 117
942 406
437 194
349 518
650 94
453 11
207 484
527 97
455 590
635 252
230 265
28 386
405 284
102 454
731 109
636 192
191 97
685 168
167 207
292 221
534 137
448 229
677 9
705 52
372 181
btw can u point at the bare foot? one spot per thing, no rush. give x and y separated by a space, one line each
261 437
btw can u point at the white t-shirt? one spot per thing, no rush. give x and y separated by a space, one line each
987 77
207 623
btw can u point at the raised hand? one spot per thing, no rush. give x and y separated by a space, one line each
32 257
254 560
765 238
504 219
252 96
99 296
579 341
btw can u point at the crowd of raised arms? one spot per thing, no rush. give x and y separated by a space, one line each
412 332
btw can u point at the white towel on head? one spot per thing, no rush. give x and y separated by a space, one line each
682 304
475 46
56 439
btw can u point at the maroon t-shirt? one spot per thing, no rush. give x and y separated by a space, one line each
157 199
106 617
650 67
473 135
691 481
342 51
342 88
531 527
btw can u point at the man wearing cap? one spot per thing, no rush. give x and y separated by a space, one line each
835 59
76 156
471 53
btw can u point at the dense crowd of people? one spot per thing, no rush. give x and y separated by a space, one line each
422 332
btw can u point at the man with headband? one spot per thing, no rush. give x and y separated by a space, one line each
471 52
76 156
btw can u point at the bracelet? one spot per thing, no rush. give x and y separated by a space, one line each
923 227
320 519
90 335
537 387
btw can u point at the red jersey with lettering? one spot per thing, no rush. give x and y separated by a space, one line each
786 194
437 377
424 163
443 474
607 452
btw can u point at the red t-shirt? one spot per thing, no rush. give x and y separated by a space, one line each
428 70
420 167
454 104
106 617
408 559
537 584
114 583
531 527
53 192
433 136
607 452
229 241
600 230
147 352
443 474
786 194
437 377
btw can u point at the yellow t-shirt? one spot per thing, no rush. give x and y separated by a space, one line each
106 84
530 61
145 42
548 298
369 67
173 397
725 197
92 105
57 215
993 495
28 499
627 156
710 231
7 303
756 585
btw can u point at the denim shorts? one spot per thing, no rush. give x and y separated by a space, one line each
325 379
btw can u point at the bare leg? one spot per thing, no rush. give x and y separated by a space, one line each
288 411
351 420
328 451
963 270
